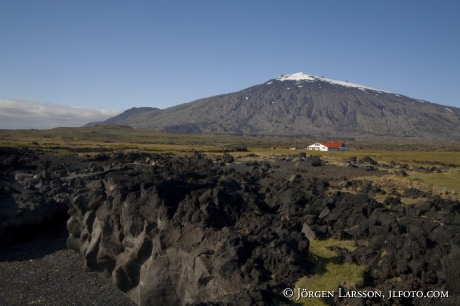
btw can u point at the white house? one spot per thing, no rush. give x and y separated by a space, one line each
328 146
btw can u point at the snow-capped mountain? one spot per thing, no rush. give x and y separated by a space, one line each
303 105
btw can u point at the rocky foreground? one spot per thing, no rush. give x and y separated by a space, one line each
188 230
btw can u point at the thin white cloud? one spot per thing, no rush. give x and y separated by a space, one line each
24 114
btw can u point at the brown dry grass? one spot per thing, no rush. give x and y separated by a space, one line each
382 156
446 185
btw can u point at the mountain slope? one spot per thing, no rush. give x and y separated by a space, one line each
301 104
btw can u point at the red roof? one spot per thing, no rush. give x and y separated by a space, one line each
333 144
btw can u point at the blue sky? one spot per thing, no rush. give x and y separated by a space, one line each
114 55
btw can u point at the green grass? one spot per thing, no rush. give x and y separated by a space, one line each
329 275
449 181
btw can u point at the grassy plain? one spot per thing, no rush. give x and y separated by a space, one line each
119 137
109 138
114 137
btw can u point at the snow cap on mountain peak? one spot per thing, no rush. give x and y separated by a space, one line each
300 76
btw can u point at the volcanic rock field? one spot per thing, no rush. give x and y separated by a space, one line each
212 230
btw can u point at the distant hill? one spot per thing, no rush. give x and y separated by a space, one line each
301 104
131 115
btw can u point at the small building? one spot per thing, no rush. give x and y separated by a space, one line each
328 146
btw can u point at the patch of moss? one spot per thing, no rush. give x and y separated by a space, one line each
329 274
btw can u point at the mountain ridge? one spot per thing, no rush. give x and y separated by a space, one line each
302 104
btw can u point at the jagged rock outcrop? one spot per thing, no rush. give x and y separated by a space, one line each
186 233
